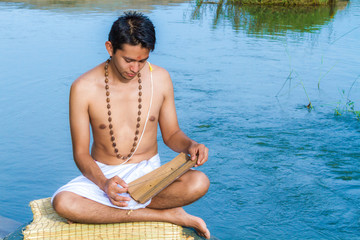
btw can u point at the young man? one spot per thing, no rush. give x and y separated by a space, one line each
124 99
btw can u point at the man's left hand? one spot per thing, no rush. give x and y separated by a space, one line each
200 152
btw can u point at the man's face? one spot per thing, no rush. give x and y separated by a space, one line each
129 60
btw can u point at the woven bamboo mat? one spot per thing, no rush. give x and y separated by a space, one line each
47 224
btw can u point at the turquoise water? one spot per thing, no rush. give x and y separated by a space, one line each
243 78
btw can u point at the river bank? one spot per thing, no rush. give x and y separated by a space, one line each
276 2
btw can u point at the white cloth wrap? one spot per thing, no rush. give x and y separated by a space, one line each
128 172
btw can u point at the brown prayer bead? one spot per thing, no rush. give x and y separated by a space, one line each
107 87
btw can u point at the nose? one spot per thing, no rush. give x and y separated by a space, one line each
135 67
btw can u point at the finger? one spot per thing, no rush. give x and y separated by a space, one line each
203 155
206 156
120 182
193 153
120 198
119 204
199 153
120 190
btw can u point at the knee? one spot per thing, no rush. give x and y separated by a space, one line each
64 204
198 183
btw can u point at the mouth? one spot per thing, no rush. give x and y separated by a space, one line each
131 75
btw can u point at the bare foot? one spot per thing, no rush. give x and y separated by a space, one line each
184 219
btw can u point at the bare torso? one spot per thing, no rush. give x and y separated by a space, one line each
124 108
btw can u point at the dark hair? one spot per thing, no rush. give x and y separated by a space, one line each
133 28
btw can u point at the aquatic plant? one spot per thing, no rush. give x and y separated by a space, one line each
324 75
337 39
309 106
346 105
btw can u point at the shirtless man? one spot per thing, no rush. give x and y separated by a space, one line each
108 97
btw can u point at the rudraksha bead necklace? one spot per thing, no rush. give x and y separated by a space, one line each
112 138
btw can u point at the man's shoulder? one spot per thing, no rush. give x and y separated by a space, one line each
89 80
162 80
160 73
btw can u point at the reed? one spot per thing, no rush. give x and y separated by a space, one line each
309 106
323 76
337 39
345 105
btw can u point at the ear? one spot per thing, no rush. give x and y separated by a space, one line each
109 48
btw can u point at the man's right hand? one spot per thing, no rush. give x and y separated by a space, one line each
112 189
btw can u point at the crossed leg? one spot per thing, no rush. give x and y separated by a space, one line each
164 207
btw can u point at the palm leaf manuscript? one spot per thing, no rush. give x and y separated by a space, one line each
147 186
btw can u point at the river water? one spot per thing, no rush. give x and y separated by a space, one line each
244 78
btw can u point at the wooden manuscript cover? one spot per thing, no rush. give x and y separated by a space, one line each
147 186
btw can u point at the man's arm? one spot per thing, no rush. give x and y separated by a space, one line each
172 135
80 134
